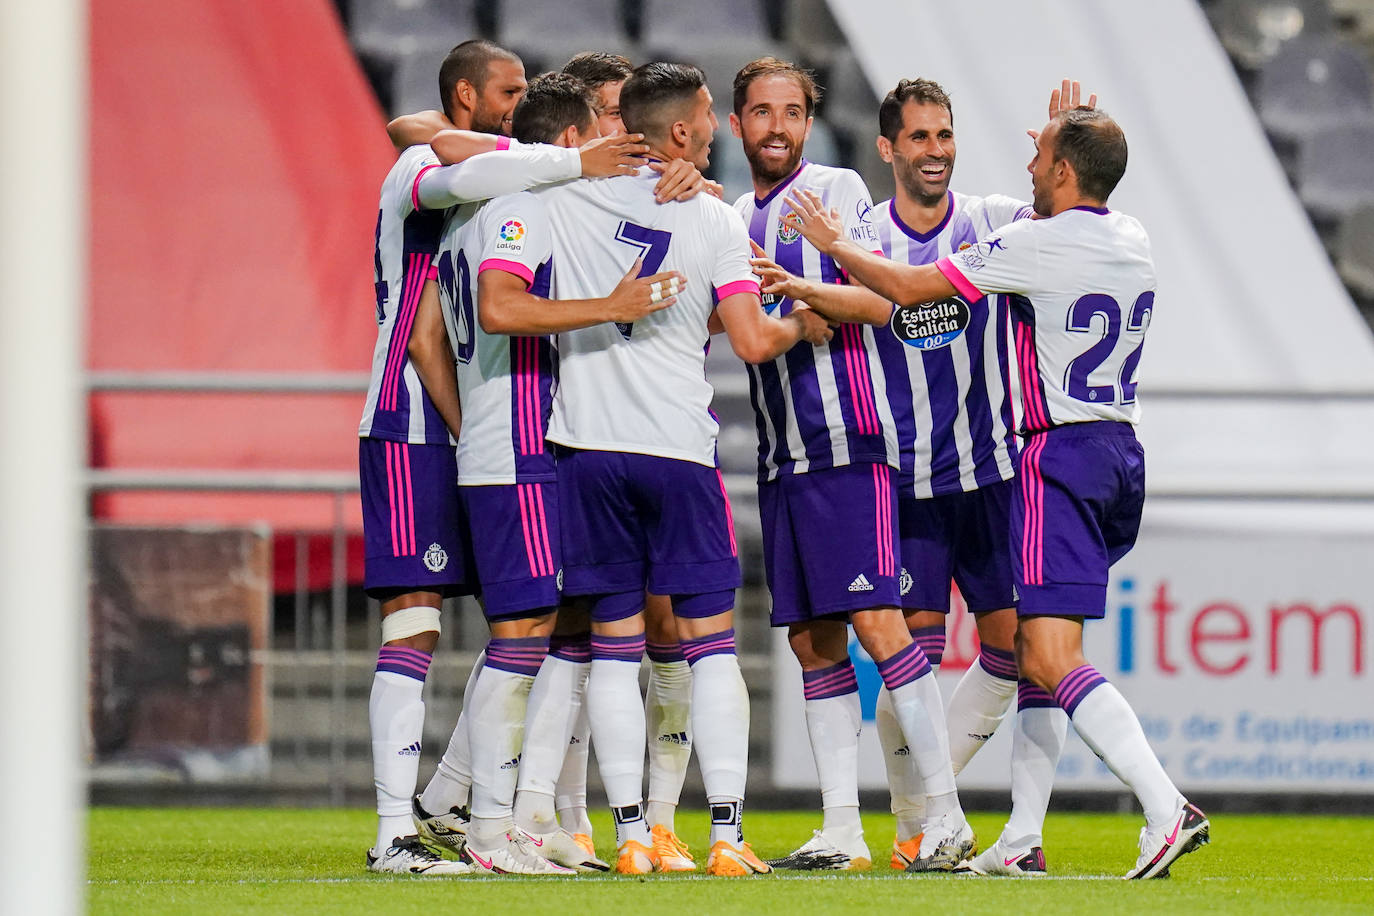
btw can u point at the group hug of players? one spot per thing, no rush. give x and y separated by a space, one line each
944 388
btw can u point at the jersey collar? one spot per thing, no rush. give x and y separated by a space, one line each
1100 211
922 237
768 198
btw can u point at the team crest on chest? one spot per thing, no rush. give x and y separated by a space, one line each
787 233
435 558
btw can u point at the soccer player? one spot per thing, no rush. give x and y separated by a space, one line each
1084 282
827 452
415 547
643 502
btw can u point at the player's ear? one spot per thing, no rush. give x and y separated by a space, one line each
465 94
807 135
681 133
884 149
735 127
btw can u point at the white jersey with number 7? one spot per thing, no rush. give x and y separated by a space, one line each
1083 287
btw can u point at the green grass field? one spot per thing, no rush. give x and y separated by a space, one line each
294 861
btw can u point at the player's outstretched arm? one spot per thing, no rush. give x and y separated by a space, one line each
413 129
757 337
837 302
432 357
607 156
505 305
904 284
682 180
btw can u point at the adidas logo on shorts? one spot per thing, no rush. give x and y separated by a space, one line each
861 584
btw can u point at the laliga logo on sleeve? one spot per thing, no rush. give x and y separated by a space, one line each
932 326
511 237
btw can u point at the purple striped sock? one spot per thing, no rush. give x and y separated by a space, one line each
400 660
932 642
574 647
722 643
618 648
1076 685
904 667
835 681
518 656
1029 696
665 652
998 662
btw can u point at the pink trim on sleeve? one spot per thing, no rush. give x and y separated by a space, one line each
433 272
503 143
738 286
961 283
415 188
510 267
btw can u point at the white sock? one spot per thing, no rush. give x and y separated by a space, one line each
921 713
727 820
1108 725
720 722
903 781
618 730
833 722
570 794
396 718
548 726
668 712
1036 743
451 785
979 703
497 723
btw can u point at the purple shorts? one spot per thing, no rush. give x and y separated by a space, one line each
959 536
414 535
632 522
515 547
1076 511
829 543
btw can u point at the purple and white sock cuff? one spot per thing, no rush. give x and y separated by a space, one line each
665 652
722 643
576 647
835 681
400 660
1076 685
904 667
1029 696
932 642
518 656
998 662
618 648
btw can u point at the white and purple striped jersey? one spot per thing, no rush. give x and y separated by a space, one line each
946 364
818 407
1083 291
641 387
505 383
415 197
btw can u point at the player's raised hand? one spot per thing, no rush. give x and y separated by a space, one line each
607 156
814 329
1069 96
773 278
682 180
821 227
634 296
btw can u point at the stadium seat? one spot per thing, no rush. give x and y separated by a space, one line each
403 27
1254 30
1313 82
689 30
850 102
1355 252
554 32
1336 170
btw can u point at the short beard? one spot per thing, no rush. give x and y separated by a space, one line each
909 176
763 171
484 122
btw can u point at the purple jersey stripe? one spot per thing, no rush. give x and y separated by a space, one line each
942 393
998 662
904 667
664 652
932 642
722 643
1076 685
1029 696
618 648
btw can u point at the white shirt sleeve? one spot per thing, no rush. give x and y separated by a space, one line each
515 236
731 272
851 198
1005 261
999 209
489 175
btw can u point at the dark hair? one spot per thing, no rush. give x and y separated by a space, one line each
771 66
653 93
597 68
1090 141
921 91
469 61
552 103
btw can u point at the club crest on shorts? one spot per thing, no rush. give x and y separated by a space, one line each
932 326
559 581
905 581
435 558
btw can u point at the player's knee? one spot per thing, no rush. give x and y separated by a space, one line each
537 623
882 633
414 627
660 626
817 645
1037 662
